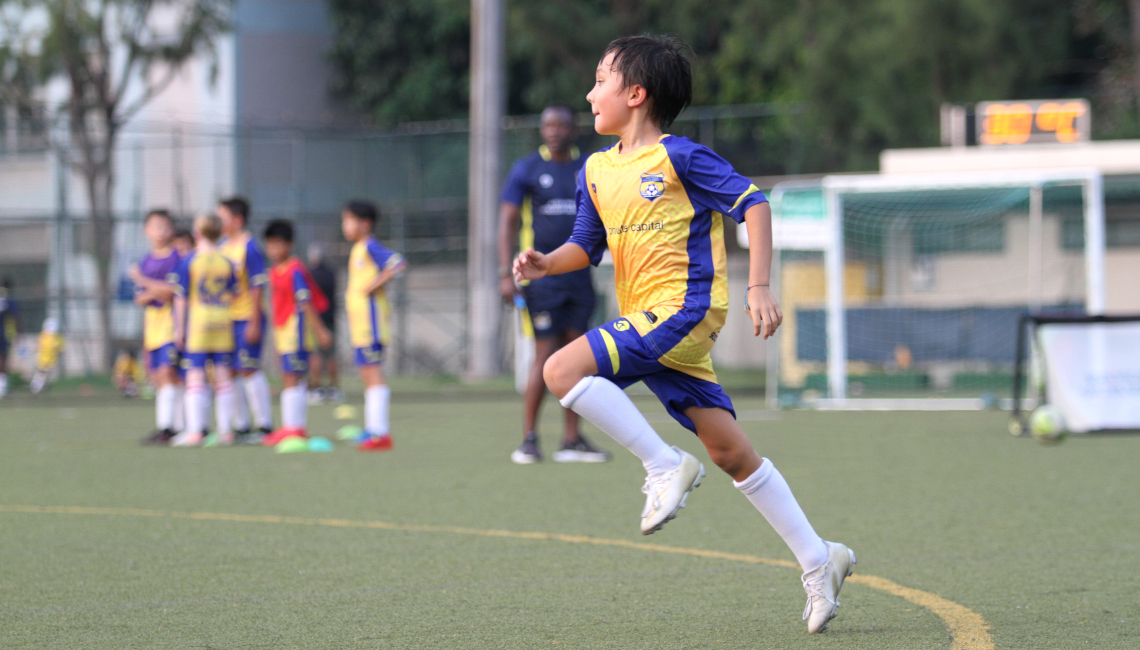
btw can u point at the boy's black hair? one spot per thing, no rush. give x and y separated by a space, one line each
238 206
183 233
657 64
6 283
365 210
159 212
280 229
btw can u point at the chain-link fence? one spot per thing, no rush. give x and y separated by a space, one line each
416 173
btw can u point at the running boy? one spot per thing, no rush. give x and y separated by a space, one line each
204 287
657 201
370 266
297 327
156 296
252 395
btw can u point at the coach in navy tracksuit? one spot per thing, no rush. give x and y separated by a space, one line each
540 191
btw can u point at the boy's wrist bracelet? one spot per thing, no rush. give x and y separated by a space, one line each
753 286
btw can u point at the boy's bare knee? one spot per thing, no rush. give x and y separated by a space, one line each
559 377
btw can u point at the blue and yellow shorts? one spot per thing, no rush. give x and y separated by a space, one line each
372 355
626 357
162 357
295 363
247 356
198 359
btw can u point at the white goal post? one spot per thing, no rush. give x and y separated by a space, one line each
827 235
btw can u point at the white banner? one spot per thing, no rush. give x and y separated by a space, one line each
1093 373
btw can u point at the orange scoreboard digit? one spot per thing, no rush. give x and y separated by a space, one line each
1013 123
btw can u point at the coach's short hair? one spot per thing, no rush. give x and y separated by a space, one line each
564 107
657 64
209 226
365 210
237 205
280 229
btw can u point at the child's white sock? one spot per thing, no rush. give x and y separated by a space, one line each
260 399
376 400
600 401
224 408
197 406
295 406
178 419
3 384
769 492
164 406
241 408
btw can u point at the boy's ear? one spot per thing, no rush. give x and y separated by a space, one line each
636 95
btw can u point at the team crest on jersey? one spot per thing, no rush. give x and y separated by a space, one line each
652 185
546 181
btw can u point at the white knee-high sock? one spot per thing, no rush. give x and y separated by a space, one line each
178 420
295 406
376 400
769 492
241 408
600 401
260 399
197 406
164 407
224 407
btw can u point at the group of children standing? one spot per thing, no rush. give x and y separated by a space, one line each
204 324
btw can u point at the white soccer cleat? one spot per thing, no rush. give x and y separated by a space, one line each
665 494
823 584
187 439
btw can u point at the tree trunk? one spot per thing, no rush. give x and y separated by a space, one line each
100 184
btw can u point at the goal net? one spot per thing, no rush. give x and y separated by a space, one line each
1088 367
910 294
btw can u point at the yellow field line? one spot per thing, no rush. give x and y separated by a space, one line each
968 630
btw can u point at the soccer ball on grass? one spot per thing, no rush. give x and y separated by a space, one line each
1047 424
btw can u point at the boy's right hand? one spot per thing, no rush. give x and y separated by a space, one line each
530 265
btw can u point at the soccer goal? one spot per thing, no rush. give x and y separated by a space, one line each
905 291
1087 366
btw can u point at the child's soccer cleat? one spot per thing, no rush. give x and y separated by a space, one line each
823 583
528 452
161 437
187 439
376 443
219 440
580 452
248 437
665 494
277 436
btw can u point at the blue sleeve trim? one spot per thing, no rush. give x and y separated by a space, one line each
710 181
589 231
255 265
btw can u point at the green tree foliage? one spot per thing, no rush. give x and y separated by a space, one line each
872 73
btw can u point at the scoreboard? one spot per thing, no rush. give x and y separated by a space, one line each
1023 122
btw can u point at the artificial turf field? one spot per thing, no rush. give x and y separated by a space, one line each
1017 545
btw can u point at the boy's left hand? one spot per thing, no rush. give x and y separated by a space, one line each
764 311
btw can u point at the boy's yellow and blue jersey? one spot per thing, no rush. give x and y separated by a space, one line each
207 281
158 317
249 268
50 345
368 313
658 210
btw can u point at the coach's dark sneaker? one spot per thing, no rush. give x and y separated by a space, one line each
528 452
161 437
580 452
